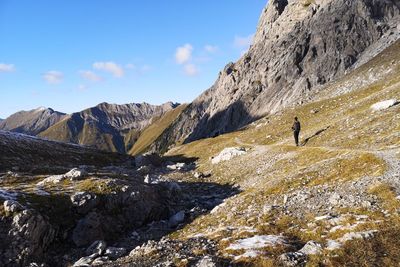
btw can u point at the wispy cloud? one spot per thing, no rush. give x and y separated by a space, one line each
6 67
53 77
211 48
183 54
90 76
190 69
111 67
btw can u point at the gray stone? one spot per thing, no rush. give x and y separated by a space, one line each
311 248
293 259
206 261
12 206
84 201
97 247
176 219
85 261
114 252
76 174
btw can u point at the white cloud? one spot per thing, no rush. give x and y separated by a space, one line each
211 48
243 42
90 76
6 67
130 66
111 67
53 77
190 69
183 54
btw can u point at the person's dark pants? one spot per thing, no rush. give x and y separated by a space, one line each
296 137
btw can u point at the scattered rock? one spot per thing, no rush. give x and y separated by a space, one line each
292 259
74 174
54 179
228 154
206 261
180 166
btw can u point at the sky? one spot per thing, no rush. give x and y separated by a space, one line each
71 55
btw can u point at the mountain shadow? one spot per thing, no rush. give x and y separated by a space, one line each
234 117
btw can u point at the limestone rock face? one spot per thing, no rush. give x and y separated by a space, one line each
298 47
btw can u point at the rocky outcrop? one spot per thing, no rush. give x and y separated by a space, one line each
299 46
31 236
32 122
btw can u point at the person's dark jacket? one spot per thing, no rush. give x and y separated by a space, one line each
296 126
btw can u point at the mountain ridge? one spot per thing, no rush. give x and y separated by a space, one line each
109 127
32 122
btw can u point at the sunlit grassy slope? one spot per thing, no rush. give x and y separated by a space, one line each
151 133
347 149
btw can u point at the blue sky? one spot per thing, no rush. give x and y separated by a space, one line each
71 55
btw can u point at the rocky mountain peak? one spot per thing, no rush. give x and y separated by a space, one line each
299 46
32 122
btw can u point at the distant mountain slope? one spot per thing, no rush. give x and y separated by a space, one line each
151 133
298 47
107 127
30 153
31 122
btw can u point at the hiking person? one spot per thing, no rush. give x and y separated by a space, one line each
296 130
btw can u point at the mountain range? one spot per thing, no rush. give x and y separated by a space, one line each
109 127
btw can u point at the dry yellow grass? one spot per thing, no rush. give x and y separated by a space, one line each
151 133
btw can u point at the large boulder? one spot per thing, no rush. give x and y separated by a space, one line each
228 153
